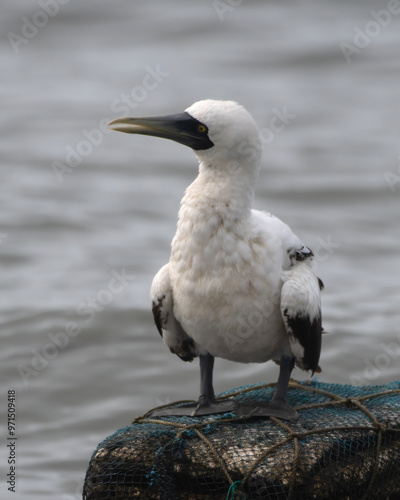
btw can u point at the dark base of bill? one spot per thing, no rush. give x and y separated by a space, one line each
345 444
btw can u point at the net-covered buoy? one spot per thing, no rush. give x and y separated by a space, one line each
345 445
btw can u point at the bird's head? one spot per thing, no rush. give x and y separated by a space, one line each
219 132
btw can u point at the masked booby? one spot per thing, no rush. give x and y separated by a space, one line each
239 284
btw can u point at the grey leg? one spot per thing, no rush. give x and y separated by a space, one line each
207 395
285 370
278 406
206 404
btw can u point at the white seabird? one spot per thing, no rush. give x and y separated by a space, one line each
239 283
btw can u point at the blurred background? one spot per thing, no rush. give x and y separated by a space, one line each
87 216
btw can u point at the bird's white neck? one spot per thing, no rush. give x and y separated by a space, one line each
226 189
214 211
214 215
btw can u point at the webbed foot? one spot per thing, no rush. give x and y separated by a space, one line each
276 408
204 406
207 406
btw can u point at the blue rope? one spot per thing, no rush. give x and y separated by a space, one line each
234 487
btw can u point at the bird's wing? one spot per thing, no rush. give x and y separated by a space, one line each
300 294
293 249
168 326
301 313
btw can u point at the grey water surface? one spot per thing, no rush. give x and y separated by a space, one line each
87 216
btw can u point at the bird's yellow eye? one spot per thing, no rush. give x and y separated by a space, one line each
202 129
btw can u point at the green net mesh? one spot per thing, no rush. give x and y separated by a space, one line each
345 445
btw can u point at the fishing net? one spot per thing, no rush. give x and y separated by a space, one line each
345 445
